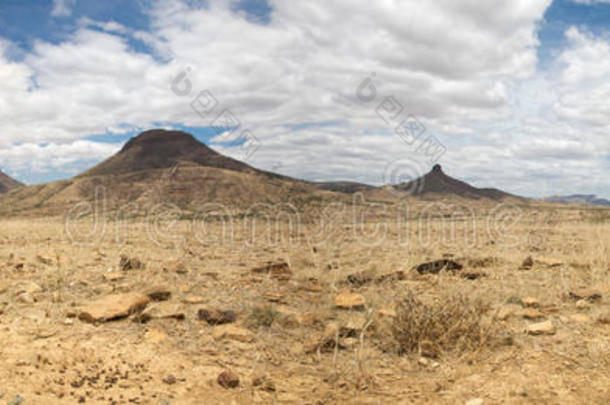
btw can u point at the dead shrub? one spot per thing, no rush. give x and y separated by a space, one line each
451 323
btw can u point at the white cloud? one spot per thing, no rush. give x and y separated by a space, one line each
62 8
466 69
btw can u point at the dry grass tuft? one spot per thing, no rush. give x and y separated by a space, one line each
261 317
450 323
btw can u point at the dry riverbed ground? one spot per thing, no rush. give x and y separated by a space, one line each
337 321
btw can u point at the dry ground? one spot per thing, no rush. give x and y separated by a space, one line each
48 356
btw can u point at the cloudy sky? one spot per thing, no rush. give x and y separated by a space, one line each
512 94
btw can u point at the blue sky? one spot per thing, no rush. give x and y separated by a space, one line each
518 88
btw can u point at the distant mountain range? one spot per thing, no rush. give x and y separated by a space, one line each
587 199
160 166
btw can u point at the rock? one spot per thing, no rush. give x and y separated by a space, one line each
530 302
158 293
193 299
361 278
532 314
228 379
588 294
263 383
475 401
216 316
46 260
232 332
274 297
582 304
527 264
435 267
542 328
170 379
113 307
130 263
349 300
279 271
163 310
113 276
473 275
175 266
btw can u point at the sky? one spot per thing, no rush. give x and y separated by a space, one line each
508 94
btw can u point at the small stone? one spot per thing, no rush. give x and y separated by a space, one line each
263 383
162 310
216 316
193 299
26 298
422 361
361 278
437 266
113 307
228 380
158 293
475 401
530 302
542 328
113 276
532 314
588 294
46 260
279 271
582 304
527 264
130 263
232 332
349 300
473 275
170 379
175 266
274 297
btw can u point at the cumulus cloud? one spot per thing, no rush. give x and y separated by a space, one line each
62 8
466 70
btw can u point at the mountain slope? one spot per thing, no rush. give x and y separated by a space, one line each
436 182
161 149
162 167
8 183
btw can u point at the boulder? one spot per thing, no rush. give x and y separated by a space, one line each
113 307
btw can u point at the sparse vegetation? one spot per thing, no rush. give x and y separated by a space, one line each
450 323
